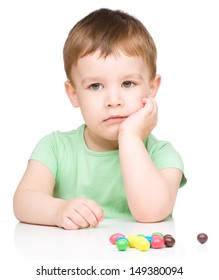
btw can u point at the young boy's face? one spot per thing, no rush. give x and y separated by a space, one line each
108 90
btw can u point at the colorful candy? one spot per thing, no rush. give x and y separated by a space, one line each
114 237
202 238
142 242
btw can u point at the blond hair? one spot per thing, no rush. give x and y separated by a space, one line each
109 31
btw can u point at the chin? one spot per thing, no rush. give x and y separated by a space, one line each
113 135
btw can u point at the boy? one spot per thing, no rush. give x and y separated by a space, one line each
112 166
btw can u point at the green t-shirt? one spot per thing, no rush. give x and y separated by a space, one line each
80 172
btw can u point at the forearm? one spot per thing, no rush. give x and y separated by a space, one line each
147 190
32 206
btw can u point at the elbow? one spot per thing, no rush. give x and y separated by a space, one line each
151 215
154 209
150 218
16 211
17 208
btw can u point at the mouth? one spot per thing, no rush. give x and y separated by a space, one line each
115 119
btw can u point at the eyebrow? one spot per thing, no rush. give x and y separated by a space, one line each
90 79
133 76
125 77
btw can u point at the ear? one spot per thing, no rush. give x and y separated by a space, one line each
72 95
154 85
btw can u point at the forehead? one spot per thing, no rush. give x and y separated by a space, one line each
118 61
113 68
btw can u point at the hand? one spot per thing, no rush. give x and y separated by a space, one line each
79 213
142 122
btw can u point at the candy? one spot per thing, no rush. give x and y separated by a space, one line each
143 244
202 238
122 243
114 237
157 242
138 240
131 239
169 241
157 233
166 235
149 238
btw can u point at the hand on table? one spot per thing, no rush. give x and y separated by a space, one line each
79 213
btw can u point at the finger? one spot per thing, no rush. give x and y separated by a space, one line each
154 102
148 104
155 108
96 210
77 218
144 100
69 224
88 214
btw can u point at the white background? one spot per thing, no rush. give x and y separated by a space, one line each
33 101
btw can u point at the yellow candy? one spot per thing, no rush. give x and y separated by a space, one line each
143 245
131 238
137 241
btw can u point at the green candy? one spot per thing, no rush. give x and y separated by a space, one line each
158 233
122 244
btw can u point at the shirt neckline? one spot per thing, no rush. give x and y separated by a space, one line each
94 153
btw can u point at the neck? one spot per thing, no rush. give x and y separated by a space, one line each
97 144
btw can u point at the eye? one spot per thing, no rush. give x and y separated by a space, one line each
96 86
128 84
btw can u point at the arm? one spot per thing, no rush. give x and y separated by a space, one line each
34 203
151 193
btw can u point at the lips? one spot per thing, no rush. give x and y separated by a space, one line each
115 119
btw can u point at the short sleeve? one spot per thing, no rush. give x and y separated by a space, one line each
46 152
164 155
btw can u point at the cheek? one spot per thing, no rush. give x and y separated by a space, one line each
138 105
134 102
89 110
86 112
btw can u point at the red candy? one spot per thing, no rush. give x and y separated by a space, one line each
157 242
114 237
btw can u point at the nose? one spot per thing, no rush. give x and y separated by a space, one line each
113 99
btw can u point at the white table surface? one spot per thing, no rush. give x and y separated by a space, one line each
41 245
